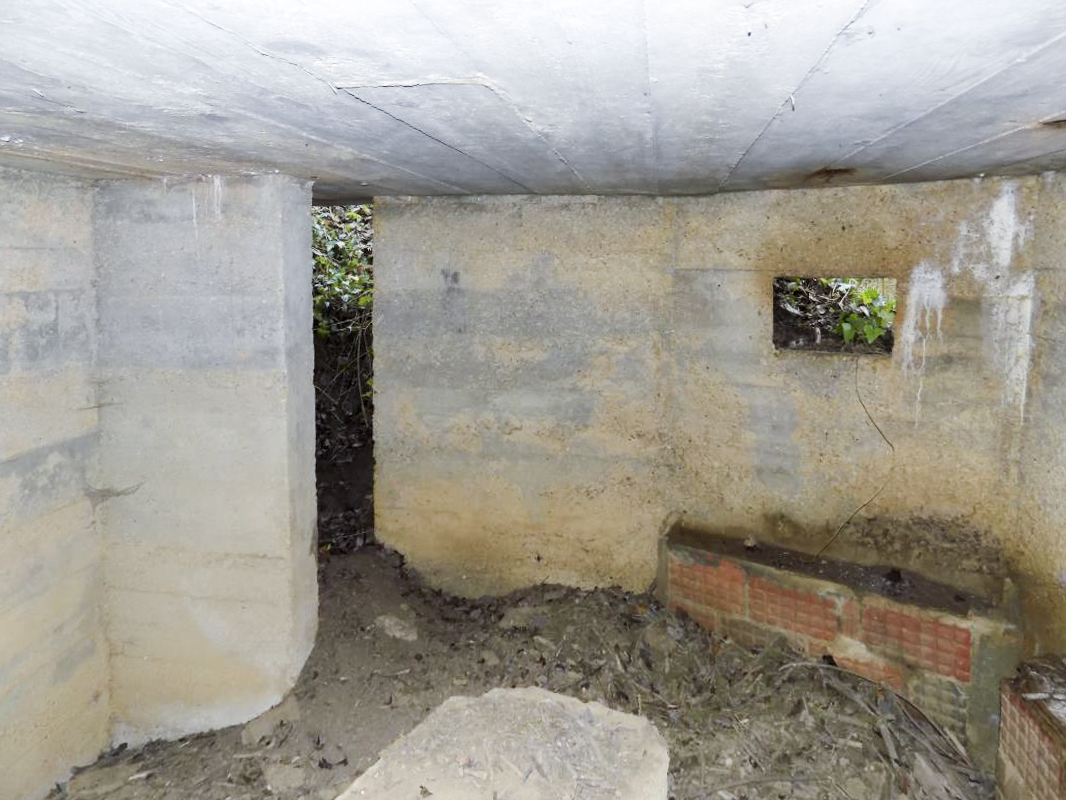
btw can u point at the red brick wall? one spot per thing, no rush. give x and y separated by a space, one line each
896 639
924 654
919 641
1032 750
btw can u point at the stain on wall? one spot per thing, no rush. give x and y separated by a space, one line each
53 656
610 364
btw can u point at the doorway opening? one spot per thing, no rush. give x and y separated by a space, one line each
342 247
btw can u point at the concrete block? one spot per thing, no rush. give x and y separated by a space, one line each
235 498
544 235
553 746
181 569
44 625
586 522
877 231
236 331
1049 227
640 329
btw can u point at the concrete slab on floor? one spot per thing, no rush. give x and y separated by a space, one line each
522 744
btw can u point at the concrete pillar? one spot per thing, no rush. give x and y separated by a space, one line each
53 656
207 448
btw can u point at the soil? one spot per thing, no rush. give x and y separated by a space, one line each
344 443
888 581
931 542
789 335
346 499
739 724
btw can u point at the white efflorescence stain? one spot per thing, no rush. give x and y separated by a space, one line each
1008 333
926 299
216 194
984 250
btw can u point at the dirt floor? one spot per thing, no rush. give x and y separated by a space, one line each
739 724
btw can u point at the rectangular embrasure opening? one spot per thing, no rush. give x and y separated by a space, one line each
834 315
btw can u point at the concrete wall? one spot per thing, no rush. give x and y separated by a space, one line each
53 655
1041 532
157 509
520 388
557 377
208 448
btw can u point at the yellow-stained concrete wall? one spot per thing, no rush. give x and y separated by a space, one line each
53 654
556 378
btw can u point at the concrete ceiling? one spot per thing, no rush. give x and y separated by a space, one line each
389 97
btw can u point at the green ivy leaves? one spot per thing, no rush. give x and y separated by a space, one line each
864 312
343 277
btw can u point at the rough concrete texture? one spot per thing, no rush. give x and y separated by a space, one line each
522 744
549 97
207 448
156 461
53 656
557 378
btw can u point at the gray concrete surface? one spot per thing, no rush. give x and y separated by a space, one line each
521 744
207 441
157 503
602 97
556 379
54 701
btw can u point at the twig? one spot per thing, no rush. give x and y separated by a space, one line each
959 751
830 667
359 375
879 719
725 787
750 675
902 702
586 677
888 475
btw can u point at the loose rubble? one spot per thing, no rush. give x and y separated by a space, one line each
1044 680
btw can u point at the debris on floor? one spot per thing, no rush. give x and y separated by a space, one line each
739 725
521 744
397 628
1031 762
1044 680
